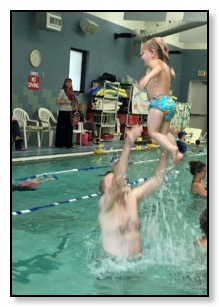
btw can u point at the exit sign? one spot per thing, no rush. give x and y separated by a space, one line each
202 73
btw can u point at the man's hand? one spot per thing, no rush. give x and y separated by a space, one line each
133 133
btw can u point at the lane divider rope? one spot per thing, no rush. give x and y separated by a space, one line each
140 180
76 170
89 169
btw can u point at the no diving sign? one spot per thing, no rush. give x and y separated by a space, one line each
33 82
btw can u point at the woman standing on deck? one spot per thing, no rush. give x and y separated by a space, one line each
66 101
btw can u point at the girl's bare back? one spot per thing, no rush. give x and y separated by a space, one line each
160 84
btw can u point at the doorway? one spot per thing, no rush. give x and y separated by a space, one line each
197 95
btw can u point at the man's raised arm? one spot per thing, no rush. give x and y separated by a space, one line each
120 170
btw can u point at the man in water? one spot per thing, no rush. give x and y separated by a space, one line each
118 214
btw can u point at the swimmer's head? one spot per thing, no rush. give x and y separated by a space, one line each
106 181
197 142
114 160
181 134
14 187
196 167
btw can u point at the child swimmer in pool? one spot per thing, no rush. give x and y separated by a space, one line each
30 184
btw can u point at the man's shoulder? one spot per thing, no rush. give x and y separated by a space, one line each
102 202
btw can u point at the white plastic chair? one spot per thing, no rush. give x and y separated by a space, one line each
27 125
80 129
202 138
46 118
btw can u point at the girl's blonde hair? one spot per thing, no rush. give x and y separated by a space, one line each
160 46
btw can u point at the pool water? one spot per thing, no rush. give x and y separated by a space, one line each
56 250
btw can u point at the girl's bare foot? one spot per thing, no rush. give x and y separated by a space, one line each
176 156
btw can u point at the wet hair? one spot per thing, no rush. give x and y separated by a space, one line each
102 183
196 167
114 159
15 187
101 186
160 46
109 172
197 142
203 220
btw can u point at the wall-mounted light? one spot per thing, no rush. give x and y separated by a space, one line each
124 35
88 26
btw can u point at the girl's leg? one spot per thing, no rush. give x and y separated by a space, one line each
158 130
176 155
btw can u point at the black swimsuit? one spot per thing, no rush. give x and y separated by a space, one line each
198 195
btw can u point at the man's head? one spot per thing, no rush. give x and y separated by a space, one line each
182 135
114 162
106 181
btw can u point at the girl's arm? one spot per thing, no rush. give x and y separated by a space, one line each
172 73
155 67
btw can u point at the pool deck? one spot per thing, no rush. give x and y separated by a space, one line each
33 153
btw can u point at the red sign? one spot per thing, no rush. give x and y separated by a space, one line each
33 82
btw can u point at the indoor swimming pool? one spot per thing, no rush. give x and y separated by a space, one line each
56 237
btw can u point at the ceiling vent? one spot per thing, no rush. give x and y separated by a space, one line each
88 26
50 21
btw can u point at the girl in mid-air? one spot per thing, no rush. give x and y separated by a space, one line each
157 83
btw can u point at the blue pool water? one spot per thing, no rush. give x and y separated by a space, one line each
56 250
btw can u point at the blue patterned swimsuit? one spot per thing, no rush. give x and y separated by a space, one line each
165 104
